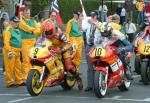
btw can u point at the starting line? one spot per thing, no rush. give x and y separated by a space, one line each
115 98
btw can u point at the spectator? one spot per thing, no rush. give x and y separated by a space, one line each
147 8
74 35
3 24
103 13
118 10
93 37
128 5
130 30
12 48
140 8
4 21
29 30
122 16
53 18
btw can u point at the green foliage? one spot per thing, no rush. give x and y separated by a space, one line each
1 2
68 6
39 5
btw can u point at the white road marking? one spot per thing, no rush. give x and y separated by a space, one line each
133 100
147 99
19 100
14 95
1 69
116 97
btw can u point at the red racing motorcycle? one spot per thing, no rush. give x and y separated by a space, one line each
109 69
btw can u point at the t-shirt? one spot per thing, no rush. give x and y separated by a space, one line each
147 8
123 12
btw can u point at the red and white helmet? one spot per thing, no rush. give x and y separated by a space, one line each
48 26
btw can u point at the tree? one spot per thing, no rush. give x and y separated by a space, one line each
39 5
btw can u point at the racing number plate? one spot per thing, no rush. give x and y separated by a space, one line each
147 49
99 52
36 51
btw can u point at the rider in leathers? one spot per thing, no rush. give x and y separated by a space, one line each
117 38
64 47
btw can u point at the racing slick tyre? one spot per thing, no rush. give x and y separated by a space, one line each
100 84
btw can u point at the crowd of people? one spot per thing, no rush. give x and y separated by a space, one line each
20 36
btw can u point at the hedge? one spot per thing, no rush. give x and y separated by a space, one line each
68 6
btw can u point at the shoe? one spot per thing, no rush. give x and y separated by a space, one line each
80 83
11 85
88 89
22 84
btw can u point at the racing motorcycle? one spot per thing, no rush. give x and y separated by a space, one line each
48 69
109 69
142 59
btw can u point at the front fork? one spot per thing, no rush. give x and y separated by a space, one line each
42 75
106 77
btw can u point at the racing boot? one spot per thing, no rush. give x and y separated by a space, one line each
127 69
69 66
72 70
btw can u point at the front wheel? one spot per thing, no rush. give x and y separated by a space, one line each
100 84
34 86
145 72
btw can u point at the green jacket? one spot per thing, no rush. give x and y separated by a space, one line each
75 32
15 40
27 35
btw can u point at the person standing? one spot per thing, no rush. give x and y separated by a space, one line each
128 5
93 37
147 8
29 30
122 16
12 48
130 30
53 19
74 35
140 8
118 10
103 13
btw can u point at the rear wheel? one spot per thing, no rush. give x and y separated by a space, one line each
137 65
34 86
100 84
145 72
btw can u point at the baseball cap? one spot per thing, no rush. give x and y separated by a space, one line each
15 19
93 13
76 12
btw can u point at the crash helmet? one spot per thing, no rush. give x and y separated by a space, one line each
106 29
48 28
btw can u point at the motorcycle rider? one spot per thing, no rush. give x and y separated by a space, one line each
60 41
118 38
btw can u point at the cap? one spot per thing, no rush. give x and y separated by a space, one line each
15 19
93 13
77 13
